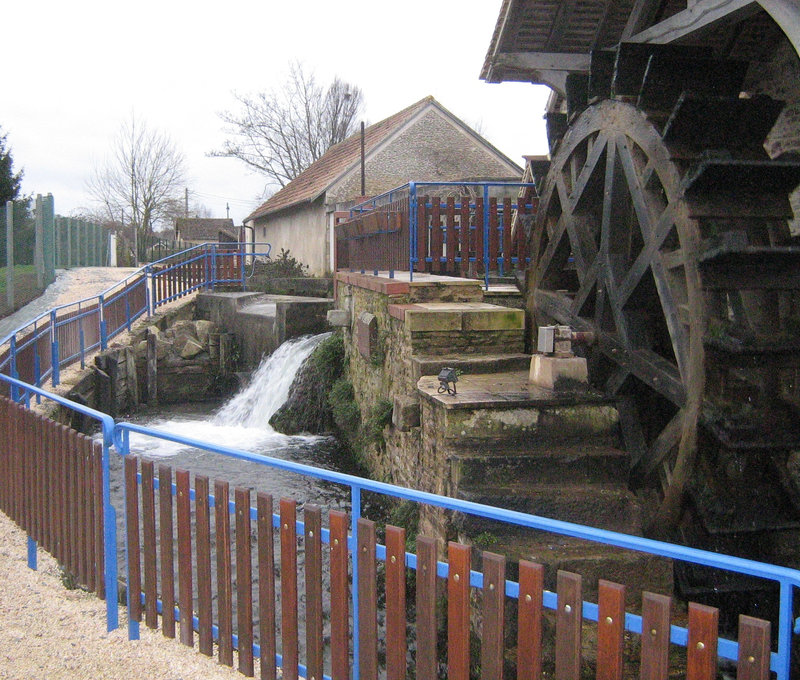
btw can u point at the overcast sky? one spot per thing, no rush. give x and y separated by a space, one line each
76 70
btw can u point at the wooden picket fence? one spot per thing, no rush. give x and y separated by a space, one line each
51 485
165 541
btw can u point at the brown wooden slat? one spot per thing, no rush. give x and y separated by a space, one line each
507 211
288 513
529 621
464 238
436 235
266 586
610 630
422 233
479 235
83 510
222 525
655 636
149 547
38 479
184 517
132 533
569 621
244 582
340 601
494 233
458 611
88 513
72 504
426 608
754 649
701 651
450 239
493 628
202 539
165 526
312 517
395 603
99 522
367 600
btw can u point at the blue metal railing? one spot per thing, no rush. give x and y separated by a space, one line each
786 579
411 194
72 331
117 434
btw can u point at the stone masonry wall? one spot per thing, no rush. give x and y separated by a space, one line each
432 149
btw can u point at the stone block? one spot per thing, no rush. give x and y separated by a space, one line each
367 334
494 320
338 318
427 321
202 330
558 373
405 413
191 349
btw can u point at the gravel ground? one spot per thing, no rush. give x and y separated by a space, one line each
47 631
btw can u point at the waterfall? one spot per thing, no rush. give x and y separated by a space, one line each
243 422
269 387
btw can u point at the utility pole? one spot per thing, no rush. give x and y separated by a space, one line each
228 210
363 174
186 203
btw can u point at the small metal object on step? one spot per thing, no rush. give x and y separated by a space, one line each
446 377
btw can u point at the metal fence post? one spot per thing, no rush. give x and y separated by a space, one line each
486 235
56 375
48 239
355 514
412 228
10 254
12 345
109 534
213 265
103 329
38 247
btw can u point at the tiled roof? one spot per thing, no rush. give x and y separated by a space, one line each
335 161
204 228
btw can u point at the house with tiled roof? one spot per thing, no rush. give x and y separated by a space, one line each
196 230
423 143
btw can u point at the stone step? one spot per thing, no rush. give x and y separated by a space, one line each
423 364
504 409
604 506
438 328
552 464
593 561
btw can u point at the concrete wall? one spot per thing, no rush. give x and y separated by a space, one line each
301 230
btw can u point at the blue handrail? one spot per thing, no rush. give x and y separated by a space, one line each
786 578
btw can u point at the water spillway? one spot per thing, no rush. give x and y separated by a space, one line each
243 423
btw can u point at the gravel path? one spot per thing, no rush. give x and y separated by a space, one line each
47 631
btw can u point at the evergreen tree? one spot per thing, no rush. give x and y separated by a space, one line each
10 183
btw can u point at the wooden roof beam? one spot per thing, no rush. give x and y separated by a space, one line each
700 15
543 61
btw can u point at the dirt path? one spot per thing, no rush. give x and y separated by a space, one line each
50 632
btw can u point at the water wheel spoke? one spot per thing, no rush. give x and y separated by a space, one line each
580 189
663 445
552 246
634 187
588 284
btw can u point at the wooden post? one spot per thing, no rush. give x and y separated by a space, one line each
10 254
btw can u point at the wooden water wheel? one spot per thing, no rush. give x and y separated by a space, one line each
662 227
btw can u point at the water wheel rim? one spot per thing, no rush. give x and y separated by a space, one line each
610 151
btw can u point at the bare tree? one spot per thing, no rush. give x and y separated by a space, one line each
281 132
143 177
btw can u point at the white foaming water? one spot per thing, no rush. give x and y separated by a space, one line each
269 387
243 422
